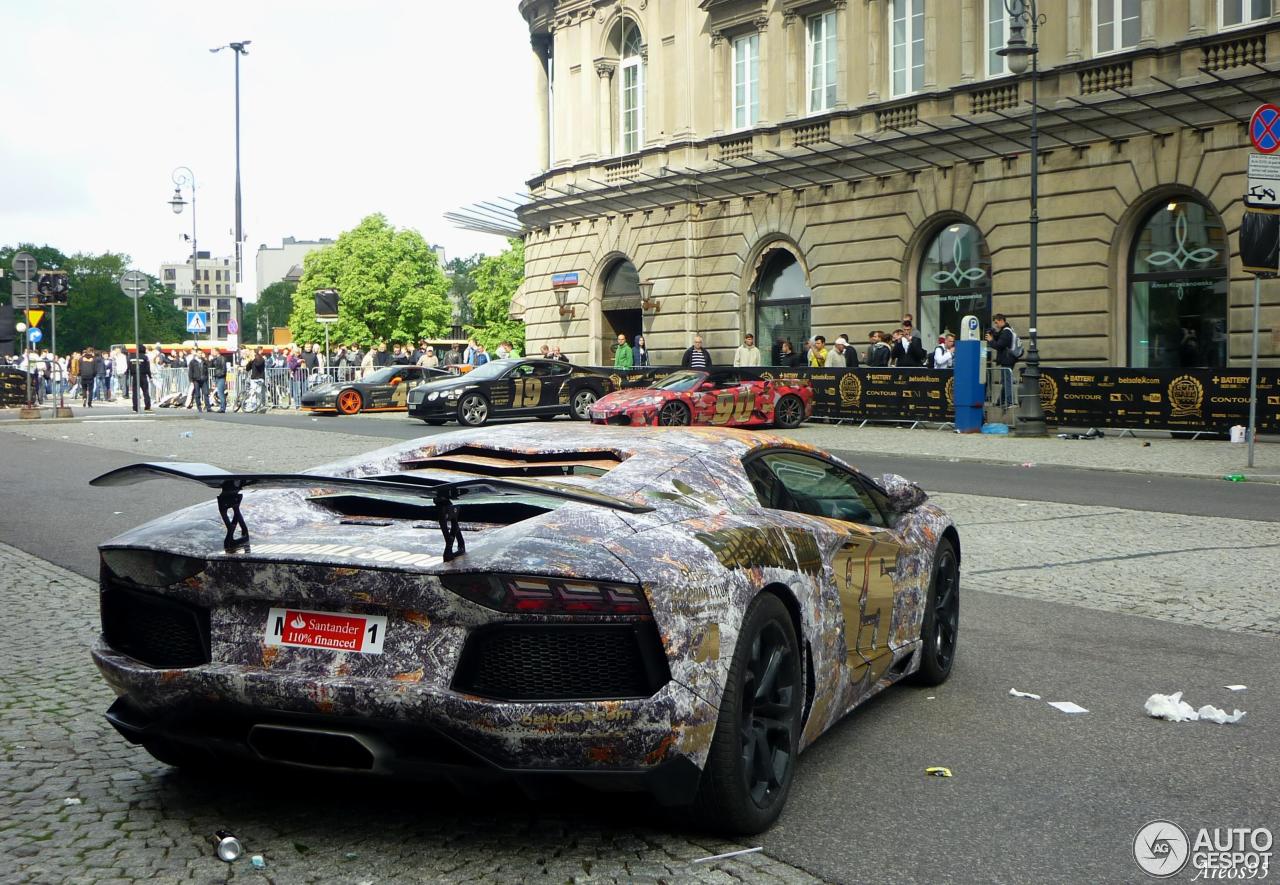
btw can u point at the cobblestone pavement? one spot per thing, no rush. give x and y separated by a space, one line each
137 820
81 805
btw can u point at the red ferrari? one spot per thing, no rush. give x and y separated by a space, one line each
719 397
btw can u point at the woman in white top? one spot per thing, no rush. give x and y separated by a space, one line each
428 359
944 355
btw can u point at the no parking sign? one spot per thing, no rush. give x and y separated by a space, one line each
1264 129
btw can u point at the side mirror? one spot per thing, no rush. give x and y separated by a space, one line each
903 494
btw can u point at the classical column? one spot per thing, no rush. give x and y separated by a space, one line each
767 111
968 50
875 29
718 113
842 55
790 25
604 107
1075 31
542 100
1146 24
1195 24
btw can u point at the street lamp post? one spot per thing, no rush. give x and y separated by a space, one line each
1023 13
237 49
184 177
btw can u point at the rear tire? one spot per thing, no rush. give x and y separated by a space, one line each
753 753
788 413
674 414
940 631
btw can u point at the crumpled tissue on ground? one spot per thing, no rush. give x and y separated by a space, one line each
1013 692
1175 709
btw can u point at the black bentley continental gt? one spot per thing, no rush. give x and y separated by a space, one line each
382 390
517 388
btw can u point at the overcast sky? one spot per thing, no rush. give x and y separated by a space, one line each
407 108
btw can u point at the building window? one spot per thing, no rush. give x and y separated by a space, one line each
631 86
906 25
822 57
955 280
997 37
224 305
783 302
1117 24
1242 12
746 81
170 273
1178 289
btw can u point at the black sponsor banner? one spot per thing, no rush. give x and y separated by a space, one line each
1206 400
1212 400
13 387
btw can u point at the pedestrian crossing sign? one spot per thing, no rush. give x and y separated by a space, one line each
197 321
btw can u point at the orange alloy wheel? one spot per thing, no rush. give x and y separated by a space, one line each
349 402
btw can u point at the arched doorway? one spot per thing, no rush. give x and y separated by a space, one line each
783 302
620 306
954 281
1178 288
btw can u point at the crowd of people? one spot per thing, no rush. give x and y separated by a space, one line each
901 347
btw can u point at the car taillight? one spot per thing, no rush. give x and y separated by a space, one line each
544 595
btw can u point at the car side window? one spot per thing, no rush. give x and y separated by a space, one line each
814 487
522 371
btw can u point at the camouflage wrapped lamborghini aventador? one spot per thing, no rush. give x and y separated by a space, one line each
674 610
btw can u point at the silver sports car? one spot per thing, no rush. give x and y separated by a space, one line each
674 610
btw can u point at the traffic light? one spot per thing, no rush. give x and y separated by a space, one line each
51 288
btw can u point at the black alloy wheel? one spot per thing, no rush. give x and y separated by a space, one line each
473 410
753 753
789 412
940 630
583 400
673 414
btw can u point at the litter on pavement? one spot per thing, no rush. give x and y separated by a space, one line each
258 862
1067 707
71 800
938 771
1175 709
728 854
1013 692
1235 687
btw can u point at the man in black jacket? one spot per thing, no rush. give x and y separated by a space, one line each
696 357
907 349
1000 340
90 368
218 375
198 375
140 376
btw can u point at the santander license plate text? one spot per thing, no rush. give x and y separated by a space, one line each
326 630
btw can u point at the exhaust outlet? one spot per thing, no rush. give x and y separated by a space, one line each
313 748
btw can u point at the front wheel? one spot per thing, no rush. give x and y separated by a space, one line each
583 400
473 411
350 402
789 412
753 753
673 414
941 626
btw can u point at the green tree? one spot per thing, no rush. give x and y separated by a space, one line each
97 312
496 279
390 282
272 308
462 283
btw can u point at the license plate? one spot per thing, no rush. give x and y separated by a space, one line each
331 631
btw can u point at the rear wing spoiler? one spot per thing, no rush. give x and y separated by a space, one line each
442 492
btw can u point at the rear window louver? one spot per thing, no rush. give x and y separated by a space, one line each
479 461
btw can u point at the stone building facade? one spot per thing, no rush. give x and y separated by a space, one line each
825 166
